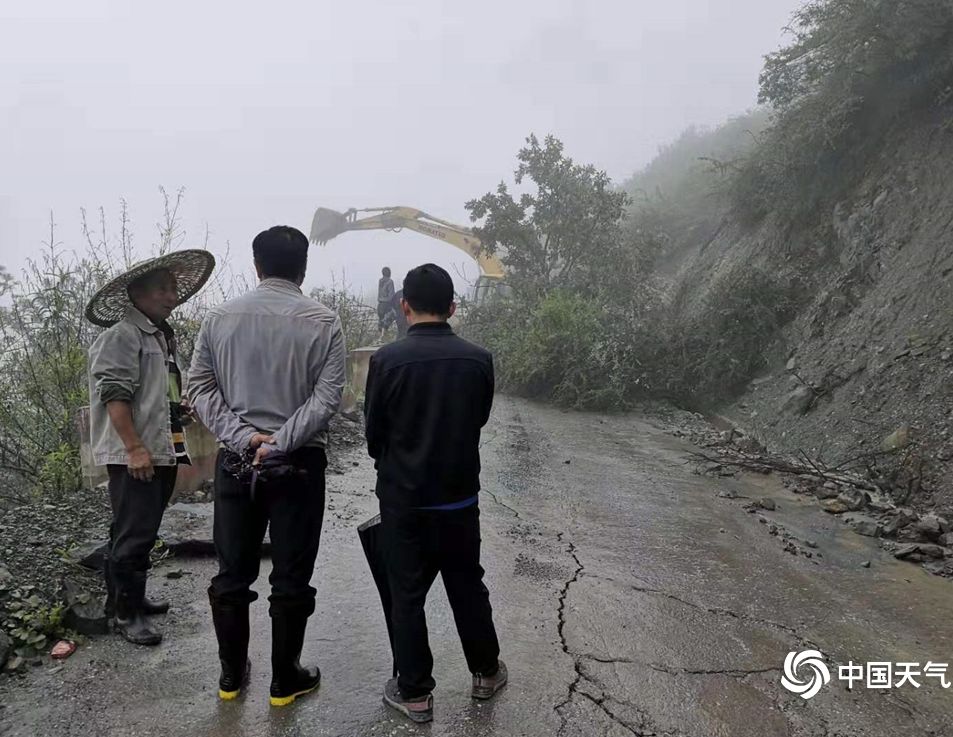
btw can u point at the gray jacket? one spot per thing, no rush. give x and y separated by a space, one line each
270 361
385 290
128 362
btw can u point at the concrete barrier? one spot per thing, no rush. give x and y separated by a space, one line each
358 362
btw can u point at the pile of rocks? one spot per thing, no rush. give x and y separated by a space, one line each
790 543
908 534
924 537
346 432
36 539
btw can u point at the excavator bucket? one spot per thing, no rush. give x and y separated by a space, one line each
327 224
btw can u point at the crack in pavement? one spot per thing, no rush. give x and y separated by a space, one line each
577 658
601 704
561 630
678 671
573 690
741 673
721 611
506 506
644 726
645 722
561 608
586 699
607 661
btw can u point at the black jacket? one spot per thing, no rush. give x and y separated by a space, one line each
427 397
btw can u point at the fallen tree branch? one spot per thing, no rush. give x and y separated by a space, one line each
783 465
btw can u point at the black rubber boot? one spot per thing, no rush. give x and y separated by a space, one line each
130 622
109 606
289 680
149 606
231 629
154 606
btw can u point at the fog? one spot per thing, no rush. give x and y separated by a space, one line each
264 112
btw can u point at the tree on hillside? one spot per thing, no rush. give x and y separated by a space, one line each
6 281
44 334
679 199
576 329
854 71
564 232
858 47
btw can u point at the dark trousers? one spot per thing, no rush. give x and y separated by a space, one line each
294 509
137 509
419 544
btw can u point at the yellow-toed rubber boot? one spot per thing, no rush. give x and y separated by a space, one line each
289 680
231 684
232 630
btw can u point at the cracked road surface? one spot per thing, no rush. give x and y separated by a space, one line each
630 599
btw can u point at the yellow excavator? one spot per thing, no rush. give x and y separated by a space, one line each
328 224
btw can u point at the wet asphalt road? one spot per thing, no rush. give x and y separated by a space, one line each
630 599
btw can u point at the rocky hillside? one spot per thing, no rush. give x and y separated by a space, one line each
860 373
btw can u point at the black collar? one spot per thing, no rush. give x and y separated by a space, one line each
430 328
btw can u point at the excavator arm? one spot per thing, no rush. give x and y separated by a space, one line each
328 224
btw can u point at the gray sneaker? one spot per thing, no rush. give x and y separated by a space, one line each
419 709
484 687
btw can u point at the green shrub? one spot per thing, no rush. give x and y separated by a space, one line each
31 621
573 350
853 70
358 321
715 348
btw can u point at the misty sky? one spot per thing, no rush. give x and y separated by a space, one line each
263 111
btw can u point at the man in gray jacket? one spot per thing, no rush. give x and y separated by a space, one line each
385 301
266 378
136 420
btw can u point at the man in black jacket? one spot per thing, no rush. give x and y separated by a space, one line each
427 398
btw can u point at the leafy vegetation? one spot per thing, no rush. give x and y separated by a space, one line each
600 313
679 200
581 287
358 321
564 232
43 382
45 337
853 69
30 620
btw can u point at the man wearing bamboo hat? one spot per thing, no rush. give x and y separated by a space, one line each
136 420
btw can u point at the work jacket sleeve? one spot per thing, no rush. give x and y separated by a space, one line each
316 413
206 397
490 389
114 364
375 413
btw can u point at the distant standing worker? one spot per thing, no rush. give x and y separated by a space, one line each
136 421
427 398
266 378
385 301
